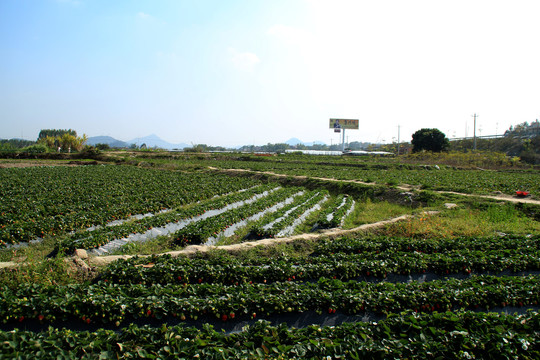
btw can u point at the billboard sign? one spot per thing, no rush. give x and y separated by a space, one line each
338 124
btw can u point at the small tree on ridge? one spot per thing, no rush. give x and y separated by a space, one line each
429 140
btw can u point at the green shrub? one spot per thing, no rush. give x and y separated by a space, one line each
429 197
35 149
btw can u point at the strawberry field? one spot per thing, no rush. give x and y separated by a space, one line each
49 200
362 294
428 177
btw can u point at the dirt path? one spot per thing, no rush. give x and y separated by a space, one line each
403 187
24 163
193 249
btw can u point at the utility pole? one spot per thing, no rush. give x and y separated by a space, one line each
475 116
398 128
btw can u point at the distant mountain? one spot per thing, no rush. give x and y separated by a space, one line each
293 142
155 141
150 141
112 142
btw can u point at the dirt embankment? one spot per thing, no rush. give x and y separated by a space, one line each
34 163
193 249
403 187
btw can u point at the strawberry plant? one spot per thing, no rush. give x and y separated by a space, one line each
335 213
97 237
277 226
198 232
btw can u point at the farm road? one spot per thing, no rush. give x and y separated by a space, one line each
403 187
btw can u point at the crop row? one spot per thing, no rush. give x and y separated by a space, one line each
35 202
229 270
374 244
334 215
442 335
104 303
256 227
103 235
273 228
198 232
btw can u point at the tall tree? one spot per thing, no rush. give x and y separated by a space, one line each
55 133
67 140
430 140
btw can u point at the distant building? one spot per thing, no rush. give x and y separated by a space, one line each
524 130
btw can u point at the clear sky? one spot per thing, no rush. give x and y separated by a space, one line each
234 72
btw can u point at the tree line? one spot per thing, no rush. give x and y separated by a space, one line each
48 140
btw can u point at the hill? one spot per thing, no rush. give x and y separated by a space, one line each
112 142
150 141
155 141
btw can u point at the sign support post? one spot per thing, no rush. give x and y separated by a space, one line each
341 124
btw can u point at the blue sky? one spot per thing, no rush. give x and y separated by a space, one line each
256 71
